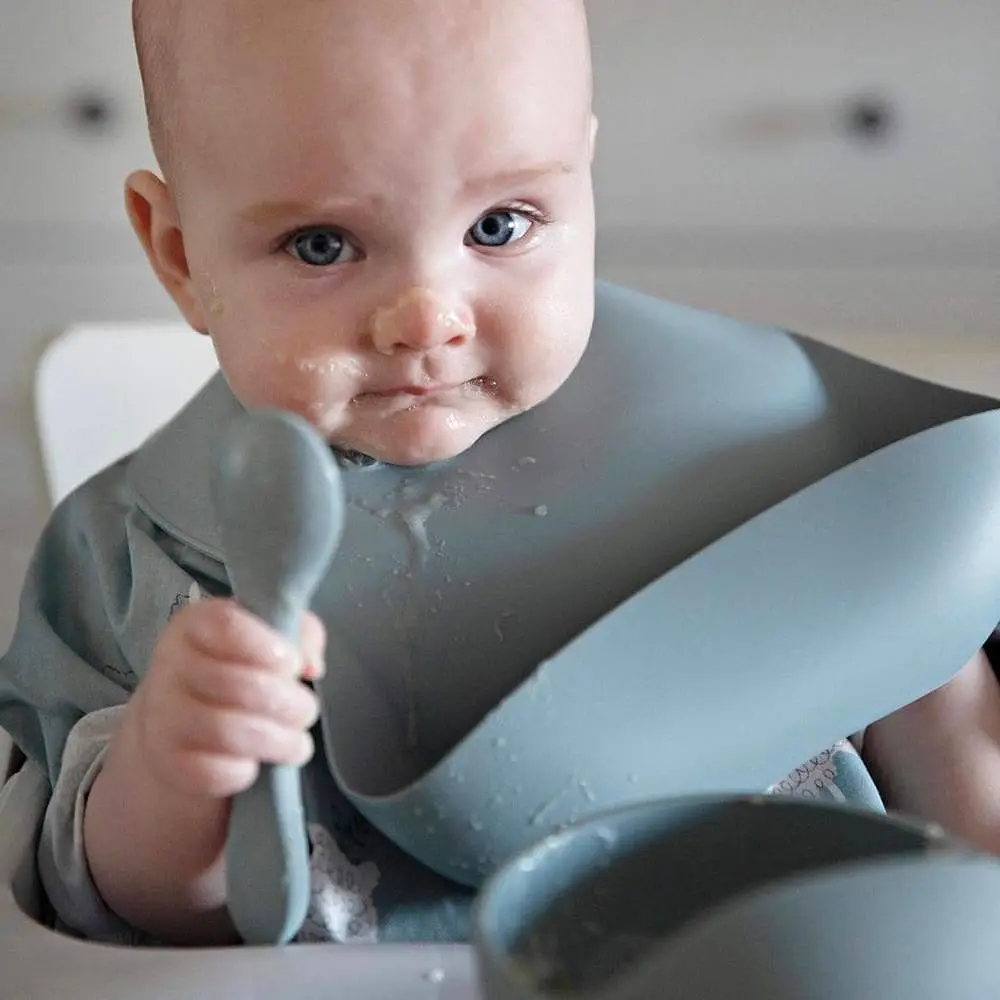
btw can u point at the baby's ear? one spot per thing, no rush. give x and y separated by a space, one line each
594 126
154 218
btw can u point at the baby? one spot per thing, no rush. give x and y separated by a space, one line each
382 214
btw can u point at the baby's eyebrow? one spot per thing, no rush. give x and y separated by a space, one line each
269 212
514 178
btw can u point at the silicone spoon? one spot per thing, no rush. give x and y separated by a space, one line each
280 507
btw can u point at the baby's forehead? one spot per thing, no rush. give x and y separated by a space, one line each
437 24
194 34
221 63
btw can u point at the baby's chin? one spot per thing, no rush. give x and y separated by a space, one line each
421 437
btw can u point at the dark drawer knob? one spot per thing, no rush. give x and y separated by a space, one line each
870 119
92 112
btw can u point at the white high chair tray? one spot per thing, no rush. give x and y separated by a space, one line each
39 964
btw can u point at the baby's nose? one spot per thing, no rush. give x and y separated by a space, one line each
422 320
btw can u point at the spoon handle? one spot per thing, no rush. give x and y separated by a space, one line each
280 507
267 851
267 858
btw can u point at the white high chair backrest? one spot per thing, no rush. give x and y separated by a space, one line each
101 389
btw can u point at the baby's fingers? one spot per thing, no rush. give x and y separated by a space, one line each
221 630
213 775
242 735
250 689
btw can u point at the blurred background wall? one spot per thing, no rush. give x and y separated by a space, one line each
832 167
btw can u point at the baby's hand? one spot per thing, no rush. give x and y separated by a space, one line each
223 694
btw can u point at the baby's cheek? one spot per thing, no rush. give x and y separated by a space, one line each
546 348
312 398
268 378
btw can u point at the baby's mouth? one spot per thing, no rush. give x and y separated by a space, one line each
417 390
405 393
475 388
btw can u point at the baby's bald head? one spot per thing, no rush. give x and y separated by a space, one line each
155 25
169 34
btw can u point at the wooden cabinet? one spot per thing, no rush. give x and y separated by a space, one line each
869 115
71 121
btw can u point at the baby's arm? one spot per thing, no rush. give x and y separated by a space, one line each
939 758
222 694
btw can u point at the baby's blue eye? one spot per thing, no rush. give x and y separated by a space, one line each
320 247
497 229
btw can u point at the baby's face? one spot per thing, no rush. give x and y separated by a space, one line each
389 220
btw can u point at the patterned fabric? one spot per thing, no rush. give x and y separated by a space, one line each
837 774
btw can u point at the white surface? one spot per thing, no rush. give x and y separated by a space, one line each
101 390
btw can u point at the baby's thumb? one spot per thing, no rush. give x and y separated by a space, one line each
313 645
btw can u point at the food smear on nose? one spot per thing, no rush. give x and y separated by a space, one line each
389 322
